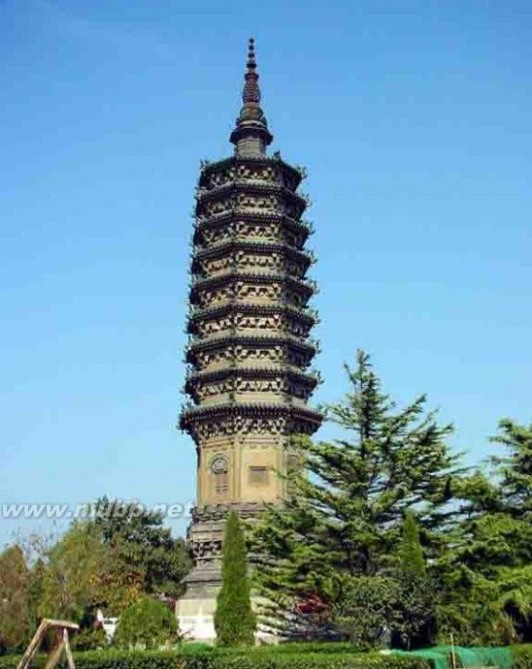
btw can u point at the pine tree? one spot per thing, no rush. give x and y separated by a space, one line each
515 469
486 576
345 516
234 619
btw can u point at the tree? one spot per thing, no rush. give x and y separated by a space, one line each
15 607
108 562
486 577
415 602
234 619
515 468
148 623
344 516
141 549
71 572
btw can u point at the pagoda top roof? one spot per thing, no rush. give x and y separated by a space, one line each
251 135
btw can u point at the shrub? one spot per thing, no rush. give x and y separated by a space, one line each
89 639
147 624
9 661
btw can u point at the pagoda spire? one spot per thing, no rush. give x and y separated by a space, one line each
251 135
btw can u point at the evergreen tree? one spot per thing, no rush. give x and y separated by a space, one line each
344 516
234 619
515 468
486 576
416 618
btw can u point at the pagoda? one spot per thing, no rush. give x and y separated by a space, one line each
249 349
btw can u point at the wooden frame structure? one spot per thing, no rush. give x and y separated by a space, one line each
62 643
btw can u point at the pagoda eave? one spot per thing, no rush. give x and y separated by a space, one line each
261 161
270 339
193 380
251 187
267 278
236 410
237 244
252 308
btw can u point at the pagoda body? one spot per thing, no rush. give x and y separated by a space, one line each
249 350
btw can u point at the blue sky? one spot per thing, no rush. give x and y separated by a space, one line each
413 119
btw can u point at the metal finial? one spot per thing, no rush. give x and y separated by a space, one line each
251 92
251 53
251 135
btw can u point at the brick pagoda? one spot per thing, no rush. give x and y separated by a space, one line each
249 350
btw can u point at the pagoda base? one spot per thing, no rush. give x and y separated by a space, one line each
195 609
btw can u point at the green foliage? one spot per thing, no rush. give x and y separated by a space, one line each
344 516
314 647
367 610
106 563
9 661
413 567
522 656
89 638
253 660
486 576
415 608
70 574
515 468
140 548
146 624
234 619
292 656
238 659
121 659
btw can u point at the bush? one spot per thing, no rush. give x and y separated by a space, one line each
89 639
120 659
147 624
9 661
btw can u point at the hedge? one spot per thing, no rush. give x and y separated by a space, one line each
260 658
285 660
284 656
522 656
314 647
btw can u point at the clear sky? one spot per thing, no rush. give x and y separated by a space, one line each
413 118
